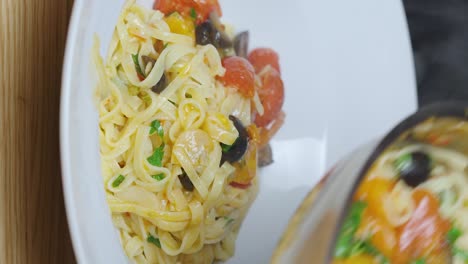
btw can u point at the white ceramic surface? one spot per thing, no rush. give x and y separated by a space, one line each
349 77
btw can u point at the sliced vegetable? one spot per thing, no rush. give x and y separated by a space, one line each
157 127
246 169
203 33
156 158
186 182
261 57
208 33
146 60
425 231
225 148
384 236
241 44
180 25
345 242
154 240
414 168
271 96
202 8
158 177
375 191
453 234
238 149
140 73
219 37
160 85
118 181
239 74
460 253
365 247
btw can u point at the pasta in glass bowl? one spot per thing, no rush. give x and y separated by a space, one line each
402 200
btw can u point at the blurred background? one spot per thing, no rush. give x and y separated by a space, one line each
33 226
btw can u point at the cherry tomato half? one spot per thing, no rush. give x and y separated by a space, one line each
239 74
424 234
200 8
272 97
262 57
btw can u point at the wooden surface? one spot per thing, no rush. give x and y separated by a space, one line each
33 227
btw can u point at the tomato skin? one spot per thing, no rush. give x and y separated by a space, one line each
202 8
261 57
239 74
271 96
424 233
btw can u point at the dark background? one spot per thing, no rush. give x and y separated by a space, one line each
439 36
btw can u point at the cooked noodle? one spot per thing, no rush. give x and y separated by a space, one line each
150 204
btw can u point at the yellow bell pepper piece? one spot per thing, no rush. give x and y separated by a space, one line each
181 25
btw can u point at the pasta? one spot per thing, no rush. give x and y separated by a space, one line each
178 142
412 206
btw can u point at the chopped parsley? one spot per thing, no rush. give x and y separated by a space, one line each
118 181
193 13
419 261
159 177
153 240
157 127
460 253
137 65
453 234
345 245
156 158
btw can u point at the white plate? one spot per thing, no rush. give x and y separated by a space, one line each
348 72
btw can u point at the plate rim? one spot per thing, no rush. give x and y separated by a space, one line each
67 188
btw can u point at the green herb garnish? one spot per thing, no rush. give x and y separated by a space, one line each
118 181
418 261
156 126
137 65
156 158
460 253
453 234
159 177
404 161
345 242
193 13
225 147
153 240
